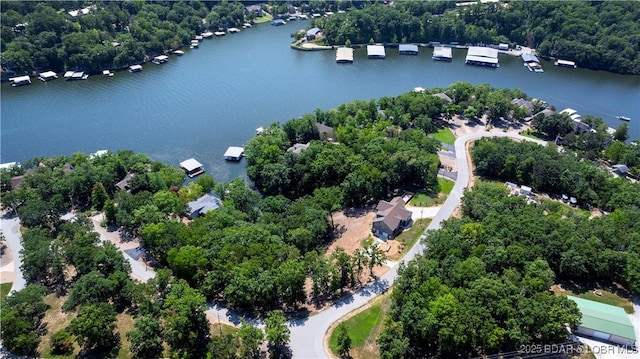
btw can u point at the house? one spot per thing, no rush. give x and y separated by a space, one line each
254 9
312 33
298 147
325 132
604 322
124 184
620 170
202 205
391 218
192 167
522 103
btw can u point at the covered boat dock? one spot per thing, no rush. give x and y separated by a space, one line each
160 59
565 63
376 52
135 68
234 154
192 167
344 55
408 49
482 56
47 76
20 81
442 53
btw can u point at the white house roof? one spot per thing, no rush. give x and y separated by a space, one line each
190 164
235 152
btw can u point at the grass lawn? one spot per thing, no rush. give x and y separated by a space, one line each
424 200
445 136
611 293
409 237
531 133
364 329
262 19
4 289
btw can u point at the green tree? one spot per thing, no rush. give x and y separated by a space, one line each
186 326
21 320
344 340
61 343
622 132
99 196
393 343
376 257
251 338
94 328
277 331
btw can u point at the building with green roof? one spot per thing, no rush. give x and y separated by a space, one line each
604 322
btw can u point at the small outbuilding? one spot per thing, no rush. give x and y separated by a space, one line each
124 184
312 33
620 170
192 167
604 322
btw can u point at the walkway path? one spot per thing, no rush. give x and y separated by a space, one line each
11 231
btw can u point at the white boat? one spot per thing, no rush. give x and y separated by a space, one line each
623 118
178 52
233 30
246 25
207 35
219 33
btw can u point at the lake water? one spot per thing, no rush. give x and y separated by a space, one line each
216 96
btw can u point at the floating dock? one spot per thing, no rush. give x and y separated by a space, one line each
135 68
344 55
442 53
107 73
234 154
75 75
376 52
482 56
160 59
192 167
408 49
531 62
565 63
47 76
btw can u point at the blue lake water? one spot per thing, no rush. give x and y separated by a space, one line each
214 97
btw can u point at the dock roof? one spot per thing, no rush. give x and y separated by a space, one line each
408 48
442 51
314 31
344 54
235 152
482 52
190 164
48 74
161 57
375 51
530 58
135 67
20 79
604 318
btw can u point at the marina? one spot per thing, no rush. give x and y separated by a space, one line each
161 112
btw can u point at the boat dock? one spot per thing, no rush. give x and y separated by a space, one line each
442 53
160 59
376 52
47 76
565 63
531 62
344 55
234 154
75 75
482 56
408 49
107 73
192 167
135 68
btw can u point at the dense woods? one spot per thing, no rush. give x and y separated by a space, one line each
483 285
560 29
40 36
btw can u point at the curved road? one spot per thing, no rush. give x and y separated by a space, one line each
11 231
307 334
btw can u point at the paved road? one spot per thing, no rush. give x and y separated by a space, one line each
11 231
